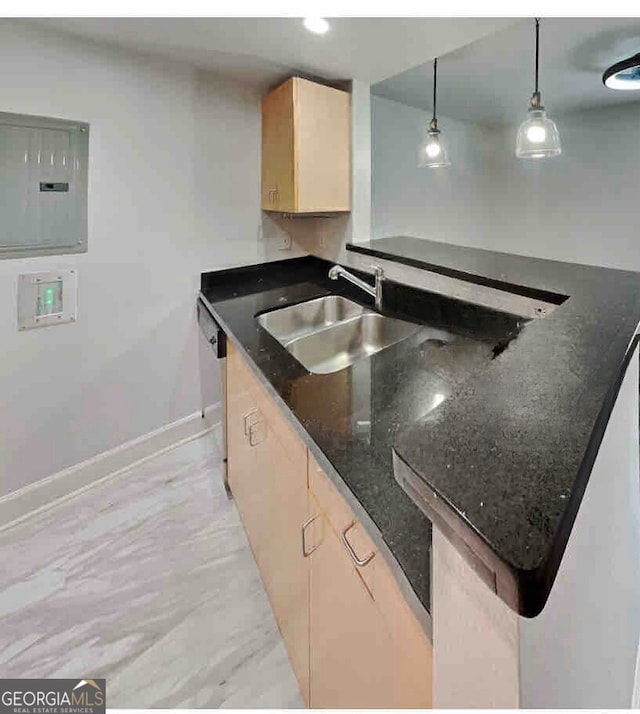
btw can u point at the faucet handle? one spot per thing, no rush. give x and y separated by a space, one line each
378 271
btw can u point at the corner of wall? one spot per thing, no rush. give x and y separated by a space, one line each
361 162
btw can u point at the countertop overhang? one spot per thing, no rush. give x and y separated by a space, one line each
503 466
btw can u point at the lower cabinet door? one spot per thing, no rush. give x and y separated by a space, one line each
388 660
241 410
351 639
268 480
284 569
351 650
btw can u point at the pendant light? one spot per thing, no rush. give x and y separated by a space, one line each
538 136
433 148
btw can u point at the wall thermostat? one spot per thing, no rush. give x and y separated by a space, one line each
49 298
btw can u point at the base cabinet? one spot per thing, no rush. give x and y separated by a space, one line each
268 479
352 639
367 648
350 655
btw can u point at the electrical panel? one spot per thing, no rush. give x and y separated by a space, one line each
43 186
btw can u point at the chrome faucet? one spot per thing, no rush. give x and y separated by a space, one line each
374 290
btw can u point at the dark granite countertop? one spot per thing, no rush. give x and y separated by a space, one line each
350 419
503 465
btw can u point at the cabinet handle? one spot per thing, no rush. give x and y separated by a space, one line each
247 416
359 562
253 428
306 553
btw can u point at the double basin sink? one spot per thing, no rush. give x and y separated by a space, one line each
330 333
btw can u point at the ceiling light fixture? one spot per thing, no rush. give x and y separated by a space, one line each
433 149
538 136
623 75
317 25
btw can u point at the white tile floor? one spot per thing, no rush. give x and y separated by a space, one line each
146 579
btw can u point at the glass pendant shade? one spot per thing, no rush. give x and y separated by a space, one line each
433 150
538 136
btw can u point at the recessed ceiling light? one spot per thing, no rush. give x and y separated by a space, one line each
623 75
317 25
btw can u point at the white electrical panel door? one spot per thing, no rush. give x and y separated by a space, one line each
43 186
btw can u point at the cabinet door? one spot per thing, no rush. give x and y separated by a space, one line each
367 648
269 482
285 571
278 192
322 123
350 663
240 413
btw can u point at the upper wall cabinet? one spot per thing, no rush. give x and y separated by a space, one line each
306 148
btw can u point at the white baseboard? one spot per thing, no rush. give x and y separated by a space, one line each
18 505
635 697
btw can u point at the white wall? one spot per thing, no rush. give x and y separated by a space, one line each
589 628
448 205
579 207
173 190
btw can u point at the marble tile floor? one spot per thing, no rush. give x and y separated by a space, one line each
147 580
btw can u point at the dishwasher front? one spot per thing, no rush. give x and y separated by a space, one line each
213 374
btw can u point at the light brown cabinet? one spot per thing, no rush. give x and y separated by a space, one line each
306 148
268 479
350 665
351 637
367 648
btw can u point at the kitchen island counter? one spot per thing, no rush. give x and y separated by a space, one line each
503 467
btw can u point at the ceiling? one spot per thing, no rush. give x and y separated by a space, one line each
490 81
262 51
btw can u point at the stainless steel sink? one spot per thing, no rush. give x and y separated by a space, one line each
343 344
297 320
330 333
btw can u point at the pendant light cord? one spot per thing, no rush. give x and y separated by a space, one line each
537 49
435 85
433 124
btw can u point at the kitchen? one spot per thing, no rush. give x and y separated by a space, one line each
467 452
